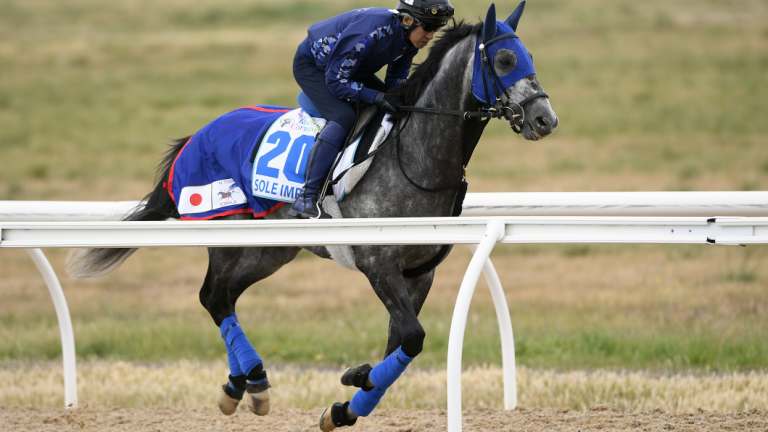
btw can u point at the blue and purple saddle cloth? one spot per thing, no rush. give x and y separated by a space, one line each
213 174
252 161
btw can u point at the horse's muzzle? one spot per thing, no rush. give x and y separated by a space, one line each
540 120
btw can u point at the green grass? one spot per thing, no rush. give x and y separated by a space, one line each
355 337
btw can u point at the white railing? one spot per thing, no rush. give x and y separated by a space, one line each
475 204
481 232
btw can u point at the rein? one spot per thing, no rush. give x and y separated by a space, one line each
482 114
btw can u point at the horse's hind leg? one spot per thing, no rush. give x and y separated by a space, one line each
230 272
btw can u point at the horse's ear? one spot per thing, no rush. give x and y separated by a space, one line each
514 19
489 28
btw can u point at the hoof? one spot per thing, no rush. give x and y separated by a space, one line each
335 416
258 403
227 403
326 423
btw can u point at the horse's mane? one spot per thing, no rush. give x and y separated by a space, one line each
411 91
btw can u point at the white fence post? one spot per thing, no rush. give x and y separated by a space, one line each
65 325
494 232
506 334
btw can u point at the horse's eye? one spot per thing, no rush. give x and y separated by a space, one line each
505 61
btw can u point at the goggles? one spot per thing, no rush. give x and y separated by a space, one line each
431 25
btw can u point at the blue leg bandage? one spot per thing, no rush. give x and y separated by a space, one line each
382 376
240 353
234 366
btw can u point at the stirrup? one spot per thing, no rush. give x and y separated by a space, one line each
307 208
357 377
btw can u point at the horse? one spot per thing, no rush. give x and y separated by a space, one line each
474 72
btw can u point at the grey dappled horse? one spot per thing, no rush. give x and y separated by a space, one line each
418 172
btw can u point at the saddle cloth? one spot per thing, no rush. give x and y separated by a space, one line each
252 160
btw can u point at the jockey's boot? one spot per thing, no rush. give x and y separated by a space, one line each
329 143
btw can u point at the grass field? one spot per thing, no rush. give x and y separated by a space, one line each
651 95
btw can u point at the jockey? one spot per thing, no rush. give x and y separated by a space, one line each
336 64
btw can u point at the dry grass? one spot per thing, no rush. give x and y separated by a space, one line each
639 278
194 384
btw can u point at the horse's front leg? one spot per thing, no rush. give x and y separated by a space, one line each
418 288
230 272
396 293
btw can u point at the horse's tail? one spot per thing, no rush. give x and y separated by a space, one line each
157 205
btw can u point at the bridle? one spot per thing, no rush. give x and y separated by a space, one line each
512 111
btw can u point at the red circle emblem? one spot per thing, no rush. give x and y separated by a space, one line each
195 199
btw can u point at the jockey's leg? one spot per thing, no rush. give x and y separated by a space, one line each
329 143
340 116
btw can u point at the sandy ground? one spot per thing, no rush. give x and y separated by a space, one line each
93 419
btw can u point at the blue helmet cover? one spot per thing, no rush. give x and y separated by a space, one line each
524 67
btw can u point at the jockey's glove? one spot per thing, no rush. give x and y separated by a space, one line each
388 103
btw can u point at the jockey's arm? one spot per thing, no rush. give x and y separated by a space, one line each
350 50
360 39
375 83
397 71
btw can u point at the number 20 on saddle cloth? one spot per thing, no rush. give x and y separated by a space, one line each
251 160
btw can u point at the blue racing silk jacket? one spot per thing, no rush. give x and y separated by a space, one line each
356 45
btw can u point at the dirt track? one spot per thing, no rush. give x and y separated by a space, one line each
90 419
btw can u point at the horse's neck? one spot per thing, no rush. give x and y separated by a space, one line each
450 89
436 143
420 172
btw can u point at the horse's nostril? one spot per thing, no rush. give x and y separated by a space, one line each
542 123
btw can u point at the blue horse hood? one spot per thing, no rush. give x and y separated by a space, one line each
483 83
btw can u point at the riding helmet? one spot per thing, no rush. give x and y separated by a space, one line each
431 14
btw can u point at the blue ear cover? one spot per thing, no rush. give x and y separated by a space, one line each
489 28
514 19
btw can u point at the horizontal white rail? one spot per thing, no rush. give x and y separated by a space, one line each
390 231
475 204
65 210
617 204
